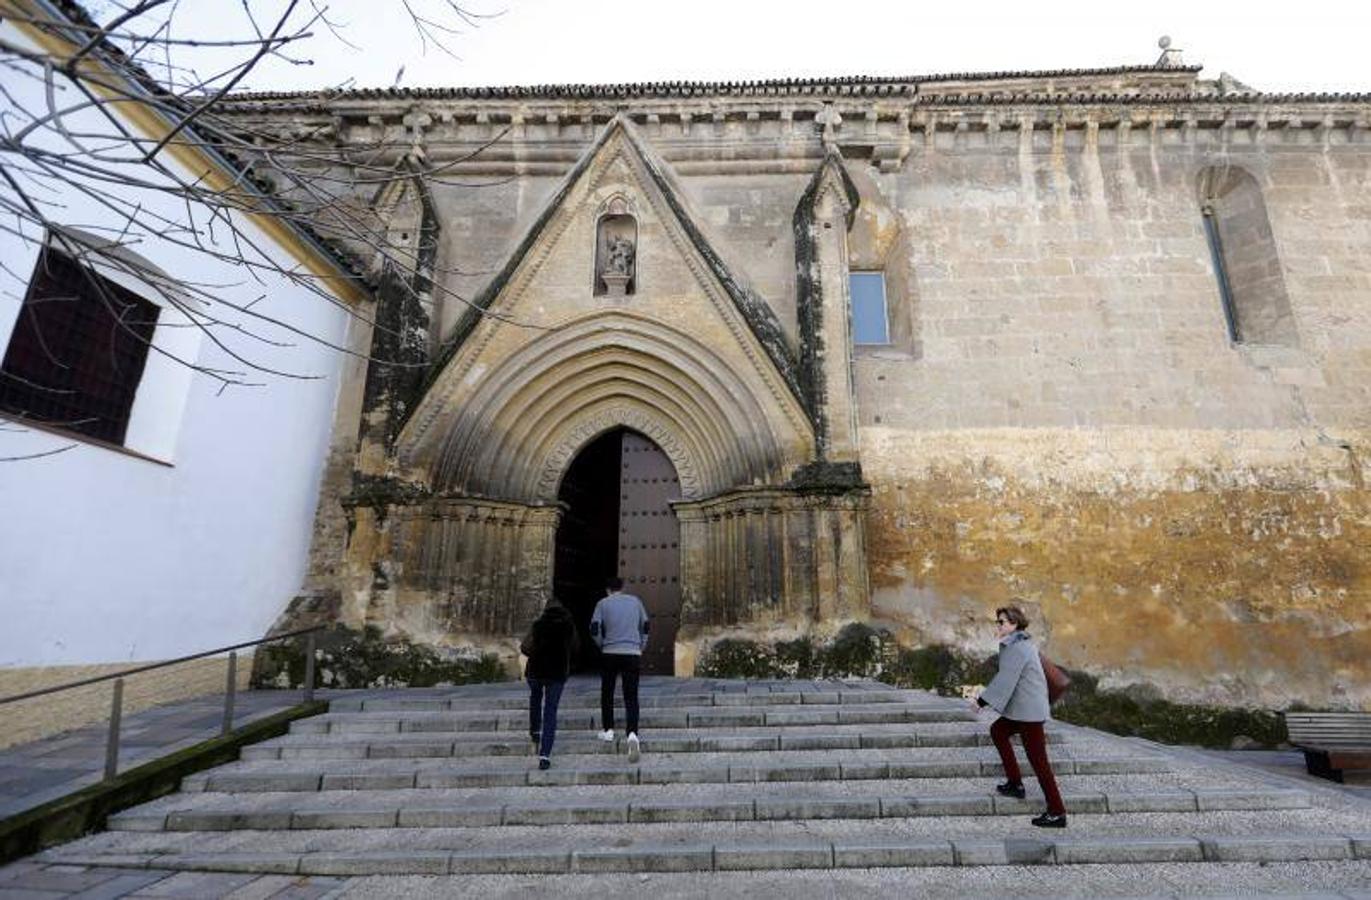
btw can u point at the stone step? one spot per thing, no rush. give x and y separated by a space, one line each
394 774
591 700
419 744
684 717
732 807
1314 819
712 793
563 857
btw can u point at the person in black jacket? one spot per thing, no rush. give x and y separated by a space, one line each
549 646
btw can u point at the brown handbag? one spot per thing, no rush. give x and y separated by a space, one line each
1057 680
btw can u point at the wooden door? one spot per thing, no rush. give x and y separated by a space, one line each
649 544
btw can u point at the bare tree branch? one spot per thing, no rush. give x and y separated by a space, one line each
69 145
29 456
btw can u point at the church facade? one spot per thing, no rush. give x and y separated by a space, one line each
788 355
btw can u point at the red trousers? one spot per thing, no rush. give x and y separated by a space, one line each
1035 745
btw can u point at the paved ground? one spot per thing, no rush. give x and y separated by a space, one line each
1290 764
337 782
1239 880
33 774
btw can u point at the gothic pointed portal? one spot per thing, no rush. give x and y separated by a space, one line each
614 313
617 519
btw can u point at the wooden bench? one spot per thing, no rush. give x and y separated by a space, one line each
1331 742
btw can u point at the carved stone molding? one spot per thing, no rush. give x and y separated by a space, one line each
618 169
570 443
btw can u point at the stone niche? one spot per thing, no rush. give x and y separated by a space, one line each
616 250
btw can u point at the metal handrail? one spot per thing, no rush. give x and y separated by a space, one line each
230 688
159 665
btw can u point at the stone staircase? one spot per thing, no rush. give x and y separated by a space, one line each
734 776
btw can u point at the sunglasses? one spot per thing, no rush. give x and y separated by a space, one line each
1003 622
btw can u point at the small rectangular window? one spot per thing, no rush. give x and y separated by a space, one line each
78 350
870 323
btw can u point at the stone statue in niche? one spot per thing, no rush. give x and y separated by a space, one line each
619 259
616 256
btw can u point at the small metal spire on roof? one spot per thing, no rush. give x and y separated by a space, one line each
1169 59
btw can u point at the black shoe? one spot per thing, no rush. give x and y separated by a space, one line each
1048 820
544 763
1011 789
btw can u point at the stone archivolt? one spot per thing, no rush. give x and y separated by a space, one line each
509 437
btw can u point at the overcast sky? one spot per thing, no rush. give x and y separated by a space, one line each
1311 45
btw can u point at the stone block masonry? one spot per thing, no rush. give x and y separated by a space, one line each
1061 414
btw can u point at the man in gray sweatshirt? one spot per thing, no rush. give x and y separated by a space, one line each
619 628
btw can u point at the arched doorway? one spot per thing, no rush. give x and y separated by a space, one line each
618 519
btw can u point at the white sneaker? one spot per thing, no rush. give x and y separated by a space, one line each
607 735
633 749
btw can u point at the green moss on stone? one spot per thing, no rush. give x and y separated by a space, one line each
1171 723
738 658
855 652
860 651
798 658
366 659
381 492
937 668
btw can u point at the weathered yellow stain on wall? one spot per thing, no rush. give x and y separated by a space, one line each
1220 584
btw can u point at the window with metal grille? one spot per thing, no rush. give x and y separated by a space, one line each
77 351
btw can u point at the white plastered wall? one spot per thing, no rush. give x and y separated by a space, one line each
201 540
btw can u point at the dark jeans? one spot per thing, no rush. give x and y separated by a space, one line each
1035 745
543 697
627 666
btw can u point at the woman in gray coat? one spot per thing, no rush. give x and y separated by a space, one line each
1018 692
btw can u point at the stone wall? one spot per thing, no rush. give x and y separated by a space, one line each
1080 432
1217 566
1061 414
453 571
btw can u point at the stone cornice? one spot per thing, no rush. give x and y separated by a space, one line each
686 132
1155 98
860 85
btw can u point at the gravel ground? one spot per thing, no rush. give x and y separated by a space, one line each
1227 880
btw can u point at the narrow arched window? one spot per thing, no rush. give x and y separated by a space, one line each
1247 268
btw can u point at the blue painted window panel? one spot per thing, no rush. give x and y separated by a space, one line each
870 324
